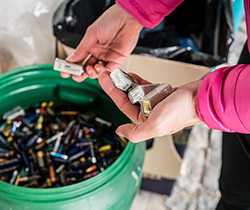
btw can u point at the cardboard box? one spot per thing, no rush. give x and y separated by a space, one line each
162 162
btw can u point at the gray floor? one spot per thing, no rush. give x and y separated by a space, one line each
198 188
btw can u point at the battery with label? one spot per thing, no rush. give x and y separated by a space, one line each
67 67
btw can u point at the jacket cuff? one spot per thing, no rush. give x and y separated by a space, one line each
148 12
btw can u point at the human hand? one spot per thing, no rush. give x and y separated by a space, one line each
169 116
111 39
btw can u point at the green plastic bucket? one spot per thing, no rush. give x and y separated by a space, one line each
115 188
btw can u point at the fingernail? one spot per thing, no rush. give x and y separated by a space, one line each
119 133
101 63
97 69
63 75
69 58
88 72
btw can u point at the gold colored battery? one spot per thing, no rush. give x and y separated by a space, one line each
40 159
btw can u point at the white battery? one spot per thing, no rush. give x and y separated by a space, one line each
71 68
136 94
122 80
13 113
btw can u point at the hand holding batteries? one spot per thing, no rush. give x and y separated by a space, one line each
111 38
172 114
147 95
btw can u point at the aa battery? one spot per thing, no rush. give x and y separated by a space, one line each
65 146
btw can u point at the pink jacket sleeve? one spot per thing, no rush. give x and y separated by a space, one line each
149 12
223 100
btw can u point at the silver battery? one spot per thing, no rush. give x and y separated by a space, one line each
136 94
156 95
14 113
71 68
122 80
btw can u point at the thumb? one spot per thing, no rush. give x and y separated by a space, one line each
71 58
81 51
135 133
77 56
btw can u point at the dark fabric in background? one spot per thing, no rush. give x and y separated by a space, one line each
234 182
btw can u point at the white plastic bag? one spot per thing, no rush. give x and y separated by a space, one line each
26 33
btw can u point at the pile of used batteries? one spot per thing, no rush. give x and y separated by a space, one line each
49 146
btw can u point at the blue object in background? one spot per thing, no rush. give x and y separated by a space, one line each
188 42
238 13
159 27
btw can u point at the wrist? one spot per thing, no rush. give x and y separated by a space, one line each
125 17
192 91
196 87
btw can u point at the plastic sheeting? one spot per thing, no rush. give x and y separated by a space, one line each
26 35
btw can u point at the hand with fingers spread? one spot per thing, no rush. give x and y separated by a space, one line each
110 39
172 114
